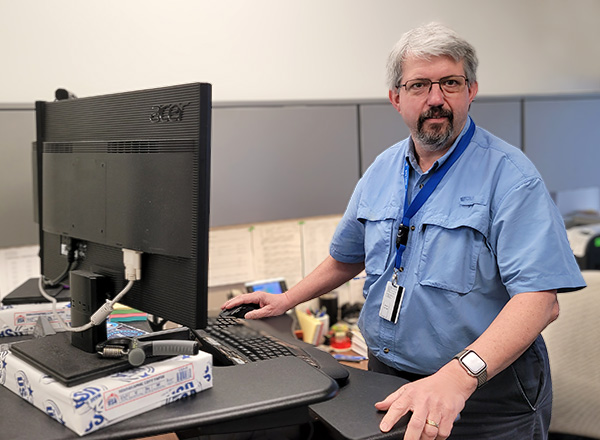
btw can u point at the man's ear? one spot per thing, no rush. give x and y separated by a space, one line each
395 100
473 89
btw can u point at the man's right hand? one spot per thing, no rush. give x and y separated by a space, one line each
271 304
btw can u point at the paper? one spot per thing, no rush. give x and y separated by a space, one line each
230 256
359 345
313 328
102 402
17 265
21 319
277 251
316 238
352 291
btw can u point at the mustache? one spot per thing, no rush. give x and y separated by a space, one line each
436 112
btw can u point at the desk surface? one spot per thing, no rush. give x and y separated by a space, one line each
352 414
241 391
253 391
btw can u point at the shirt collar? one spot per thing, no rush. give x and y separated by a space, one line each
412 158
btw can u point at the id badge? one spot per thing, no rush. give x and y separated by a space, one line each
392 300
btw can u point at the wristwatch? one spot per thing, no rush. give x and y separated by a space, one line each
473 365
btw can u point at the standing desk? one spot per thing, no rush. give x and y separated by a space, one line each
274 393
239 392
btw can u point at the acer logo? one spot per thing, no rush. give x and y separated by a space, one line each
168 112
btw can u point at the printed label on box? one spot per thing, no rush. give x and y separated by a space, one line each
91 406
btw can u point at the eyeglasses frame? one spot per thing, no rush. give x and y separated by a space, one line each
433 82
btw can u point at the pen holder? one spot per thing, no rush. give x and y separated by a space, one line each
314 328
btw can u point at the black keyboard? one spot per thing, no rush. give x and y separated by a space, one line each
232 342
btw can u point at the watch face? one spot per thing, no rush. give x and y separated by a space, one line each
473 362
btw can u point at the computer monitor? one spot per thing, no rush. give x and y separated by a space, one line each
129 170
274 285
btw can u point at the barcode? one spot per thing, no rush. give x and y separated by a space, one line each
184 375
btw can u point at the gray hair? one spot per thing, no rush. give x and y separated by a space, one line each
427 41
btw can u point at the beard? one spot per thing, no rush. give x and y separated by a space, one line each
436 136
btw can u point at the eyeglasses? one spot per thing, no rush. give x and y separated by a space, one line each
422 86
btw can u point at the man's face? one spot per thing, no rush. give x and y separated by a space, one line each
434 118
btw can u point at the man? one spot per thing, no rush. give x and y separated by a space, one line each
464 253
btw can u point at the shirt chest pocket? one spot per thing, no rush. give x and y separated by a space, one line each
452 245
378 239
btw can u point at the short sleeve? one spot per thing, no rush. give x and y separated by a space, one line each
347 244
530 241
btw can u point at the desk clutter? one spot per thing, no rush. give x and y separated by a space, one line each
99 402
314 325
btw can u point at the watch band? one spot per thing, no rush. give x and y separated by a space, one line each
481 376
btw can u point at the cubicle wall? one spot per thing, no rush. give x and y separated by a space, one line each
282 162
562 135
295 160
17 131
381 126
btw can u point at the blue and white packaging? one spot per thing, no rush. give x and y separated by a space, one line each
102 402
20 320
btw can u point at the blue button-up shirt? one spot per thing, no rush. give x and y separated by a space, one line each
488 232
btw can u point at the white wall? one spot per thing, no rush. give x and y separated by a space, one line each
255 50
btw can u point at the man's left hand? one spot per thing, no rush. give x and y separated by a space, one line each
435 403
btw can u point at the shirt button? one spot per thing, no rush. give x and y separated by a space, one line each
412 228
421 186
401 269
386 350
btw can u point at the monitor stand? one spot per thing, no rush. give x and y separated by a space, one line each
55 356
67 364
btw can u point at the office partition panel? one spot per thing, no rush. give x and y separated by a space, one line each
17 132
501 117
382 126
282 162
562 138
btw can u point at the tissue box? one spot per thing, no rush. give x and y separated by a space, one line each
20 320
102 402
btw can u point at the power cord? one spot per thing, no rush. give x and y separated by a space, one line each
133 272
72 260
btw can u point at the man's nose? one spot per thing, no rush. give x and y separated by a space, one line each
435 96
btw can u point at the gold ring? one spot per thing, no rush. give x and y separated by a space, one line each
432 423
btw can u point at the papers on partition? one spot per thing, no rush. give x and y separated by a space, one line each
17 265
230 256
277 251
316 237
288 249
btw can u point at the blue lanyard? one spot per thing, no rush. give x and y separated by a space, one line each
423 195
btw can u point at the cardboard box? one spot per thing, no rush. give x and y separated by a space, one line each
102 402
20 320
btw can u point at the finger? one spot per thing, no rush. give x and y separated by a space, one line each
246 298
395 412
258 313
415 427
445 427
430 432
431 428
387 402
